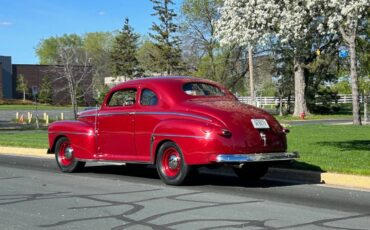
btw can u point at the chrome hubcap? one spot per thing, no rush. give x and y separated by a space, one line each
173 162
68 153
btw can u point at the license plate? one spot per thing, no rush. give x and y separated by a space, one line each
260 124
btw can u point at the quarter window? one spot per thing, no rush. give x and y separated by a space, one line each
148 97
124 97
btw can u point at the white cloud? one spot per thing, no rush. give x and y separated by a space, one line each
101 13
5 23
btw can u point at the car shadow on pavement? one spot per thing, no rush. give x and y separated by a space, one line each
203 177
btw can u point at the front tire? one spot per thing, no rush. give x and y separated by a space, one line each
251 172
170 164
65 157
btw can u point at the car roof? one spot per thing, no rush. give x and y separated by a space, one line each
165 79
170 87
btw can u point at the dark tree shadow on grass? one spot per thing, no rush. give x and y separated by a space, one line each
362 145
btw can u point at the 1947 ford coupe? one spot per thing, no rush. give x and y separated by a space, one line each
175 123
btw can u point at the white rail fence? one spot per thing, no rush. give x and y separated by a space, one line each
272 101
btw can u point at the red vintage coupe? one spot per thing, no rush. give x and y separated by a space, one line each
175 123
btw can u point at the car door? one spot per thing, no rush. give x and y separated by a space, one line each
148 115
116 126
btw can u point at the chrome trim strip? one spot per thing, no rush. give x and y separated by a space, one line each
256 157
177 135
148 113
81 116
176 114
115 113
76 133
112 161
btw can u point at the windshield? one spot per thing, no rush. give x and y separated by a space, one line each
202 89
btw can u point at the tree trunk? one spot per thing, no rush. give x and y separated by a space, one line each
251 78
349 37
289 103
366 101
24 95
281 106
300 105
354 80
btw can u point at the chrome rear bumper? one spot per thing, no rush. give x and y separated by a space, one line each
256 157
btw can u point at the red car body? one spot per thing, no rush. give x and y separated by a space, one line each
176 123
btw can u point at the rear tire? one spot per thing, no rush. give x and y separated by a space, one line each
251 172
65 157
170 164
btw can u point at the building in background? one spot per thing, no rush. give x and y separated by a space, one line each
34 75
6 77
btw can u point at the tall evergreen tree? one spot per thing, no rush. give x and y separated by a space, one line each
124 61
164 35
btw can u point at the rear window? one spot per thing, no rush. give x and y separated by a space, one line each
202 89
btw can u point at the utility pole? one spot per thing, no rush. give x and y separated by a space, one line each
251 78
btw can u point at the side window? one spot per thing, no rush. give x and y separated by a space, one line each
148 97
124 97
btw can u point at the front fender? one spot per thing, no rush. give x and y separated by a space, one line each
81 135
198 140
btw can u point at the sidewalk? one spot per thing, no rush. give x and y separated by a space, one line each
277 174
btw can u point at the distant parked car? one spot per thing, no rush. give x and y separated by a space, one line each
175 123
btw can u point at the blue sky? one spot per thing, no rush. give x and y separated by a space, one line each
24 23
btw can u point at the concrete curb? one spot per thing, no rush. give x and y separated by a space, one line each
327 178
277 174
32 152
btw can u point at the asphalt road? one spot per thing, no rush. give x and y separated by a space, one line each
35 195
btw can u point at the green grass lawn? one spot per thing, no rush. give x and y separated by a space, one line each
24 138
332 148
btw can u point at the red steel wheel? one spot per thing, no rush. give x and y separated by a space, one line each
65 154
65 157
170 164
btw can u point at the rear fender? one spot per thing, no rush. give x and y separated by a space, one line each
197 139
81 135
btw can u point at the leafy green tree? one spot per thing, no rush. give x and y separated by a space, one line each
199 30
201 50
22 86
99 47
150 57
102 93
124 61
164 36
47 49
45 95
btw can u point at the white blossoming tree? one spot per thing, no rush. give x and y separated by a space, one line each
342 17
235 27
248 22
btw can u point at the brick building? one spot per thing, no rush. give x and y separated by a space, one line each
34 75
